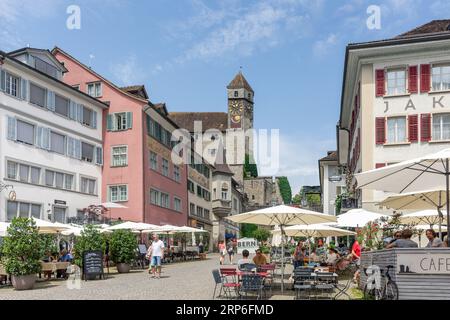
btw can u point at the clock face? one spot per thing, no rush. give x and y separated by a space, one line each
236 109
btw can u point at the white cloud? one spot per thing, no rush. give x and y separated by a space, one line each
321 47
129 72
299 159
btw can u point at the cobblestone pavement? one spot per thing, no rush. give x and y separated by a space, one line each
179 281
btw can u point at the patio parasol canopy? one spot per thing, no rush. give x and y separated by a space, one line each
167 228
423 200
113 205
50 227
314 231
282 215
426 217
130 225
357 218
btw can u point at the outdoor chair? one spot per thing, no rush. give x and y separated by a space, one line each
251 283
268 281
325 284
303 282
229 281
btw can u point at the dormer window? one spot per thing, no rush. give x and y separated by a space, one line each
236 94
45 67
94 89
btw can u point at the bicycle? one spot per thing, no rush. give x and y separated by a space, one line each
388 292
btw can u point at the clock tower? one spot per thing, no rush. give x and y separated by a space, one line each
240 119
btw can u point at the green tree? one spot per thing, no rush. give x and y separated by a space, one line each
250 167
261 234
122 246
48 244
90 239
285 189
247 230
20 249
297 199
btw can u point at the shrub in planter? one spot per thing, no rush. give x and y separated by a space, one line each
21 254
48 244
90 239
122 247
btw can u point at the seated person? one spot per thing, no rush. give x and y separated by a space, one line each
245 259
314 257
65 256
404 242
259 259
48 257
332 257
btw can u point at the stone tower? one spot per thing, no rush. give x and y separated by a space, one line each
240 120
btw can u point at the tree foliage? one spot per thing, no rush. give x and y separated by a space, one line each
261 234
285 189
20 249
90 239
48 244
247 230
122 246
250 167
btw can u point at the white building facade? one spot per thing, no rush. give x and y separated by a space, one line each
50 142
332 183
395 103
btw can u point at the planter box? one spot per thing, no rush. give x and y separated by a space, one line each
23 282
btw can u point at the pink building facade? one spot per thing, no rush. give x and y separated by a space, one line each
138 171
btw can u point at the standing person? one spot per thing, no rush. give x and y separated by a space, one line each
434 242
157 254
201 247
222 251
230 250
298 255
355 256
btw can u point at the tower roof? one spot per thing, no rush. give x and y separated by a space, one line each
239 82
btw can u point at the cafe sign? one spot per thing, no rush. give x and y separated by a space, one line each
249 244
423 263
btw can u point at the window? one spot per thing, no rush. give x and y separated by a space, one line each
191 186
441 126
25 132
206 195
177 204
155 197
396 129
156 131
22 209
58 180
76 86
121 121
441 78
61 106
396 82
87 116
59 214
12 85
192 209
49 178
200 211
24 172
11 170
45 67
118 193
206 213
199 191
87 185
165 167
224 194
57 143
236 94
165 202
94 89
87 152
119 156
37 95
176 173
153 160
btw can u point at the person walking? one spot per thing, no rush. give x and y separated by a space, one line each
230 250
156 253
222 251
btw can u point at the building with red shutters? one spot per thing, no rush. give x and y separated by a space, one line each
395 102
138 170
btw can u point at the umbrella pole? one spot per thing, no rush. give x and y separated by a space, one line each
282 259
448 199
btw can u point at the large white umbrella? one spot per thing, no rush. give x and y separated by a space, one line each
130 225
167 228
426 217
430 172
113 205
314 231
3 228
282 216
357 218
50 227
72 231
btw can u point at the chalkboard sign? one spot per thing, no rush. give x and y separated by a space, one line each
142 249
92 264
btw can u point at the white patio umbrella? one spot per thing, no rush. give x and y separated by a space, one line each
430 172
73 231
425 217
130 225
113 205
358 218
50 227
3 228
282 216
314 231
432 199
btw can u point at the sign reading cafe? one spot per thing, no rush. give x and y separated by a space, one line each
249 244
424 263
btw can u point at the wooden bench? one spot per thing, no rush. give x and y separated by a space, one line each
50 268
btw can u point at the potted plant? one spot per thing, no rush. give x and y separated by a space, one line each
90 240
19 254
122 246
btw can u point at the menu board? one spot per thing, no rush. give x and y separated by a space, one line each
92 264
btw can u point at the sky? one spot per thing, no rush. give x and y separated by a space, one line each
187 51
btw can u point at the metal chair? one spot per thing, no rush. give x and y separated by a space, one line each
303 282
325 282
217 281
251 283
229 281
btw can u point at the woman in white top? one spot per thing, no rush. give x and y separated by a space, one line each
332 257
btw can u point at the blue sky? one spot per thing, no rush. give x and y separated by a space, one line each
187 51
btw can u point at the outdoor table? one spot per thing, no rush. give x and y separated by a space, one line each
335 283
262 274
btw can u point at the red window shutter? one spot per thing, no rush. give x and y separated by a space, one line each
380 130
425 127
380 165
412 80
425 78
380 88
413 128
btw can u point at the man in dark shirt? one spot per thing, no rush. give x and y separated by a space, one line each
404 242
